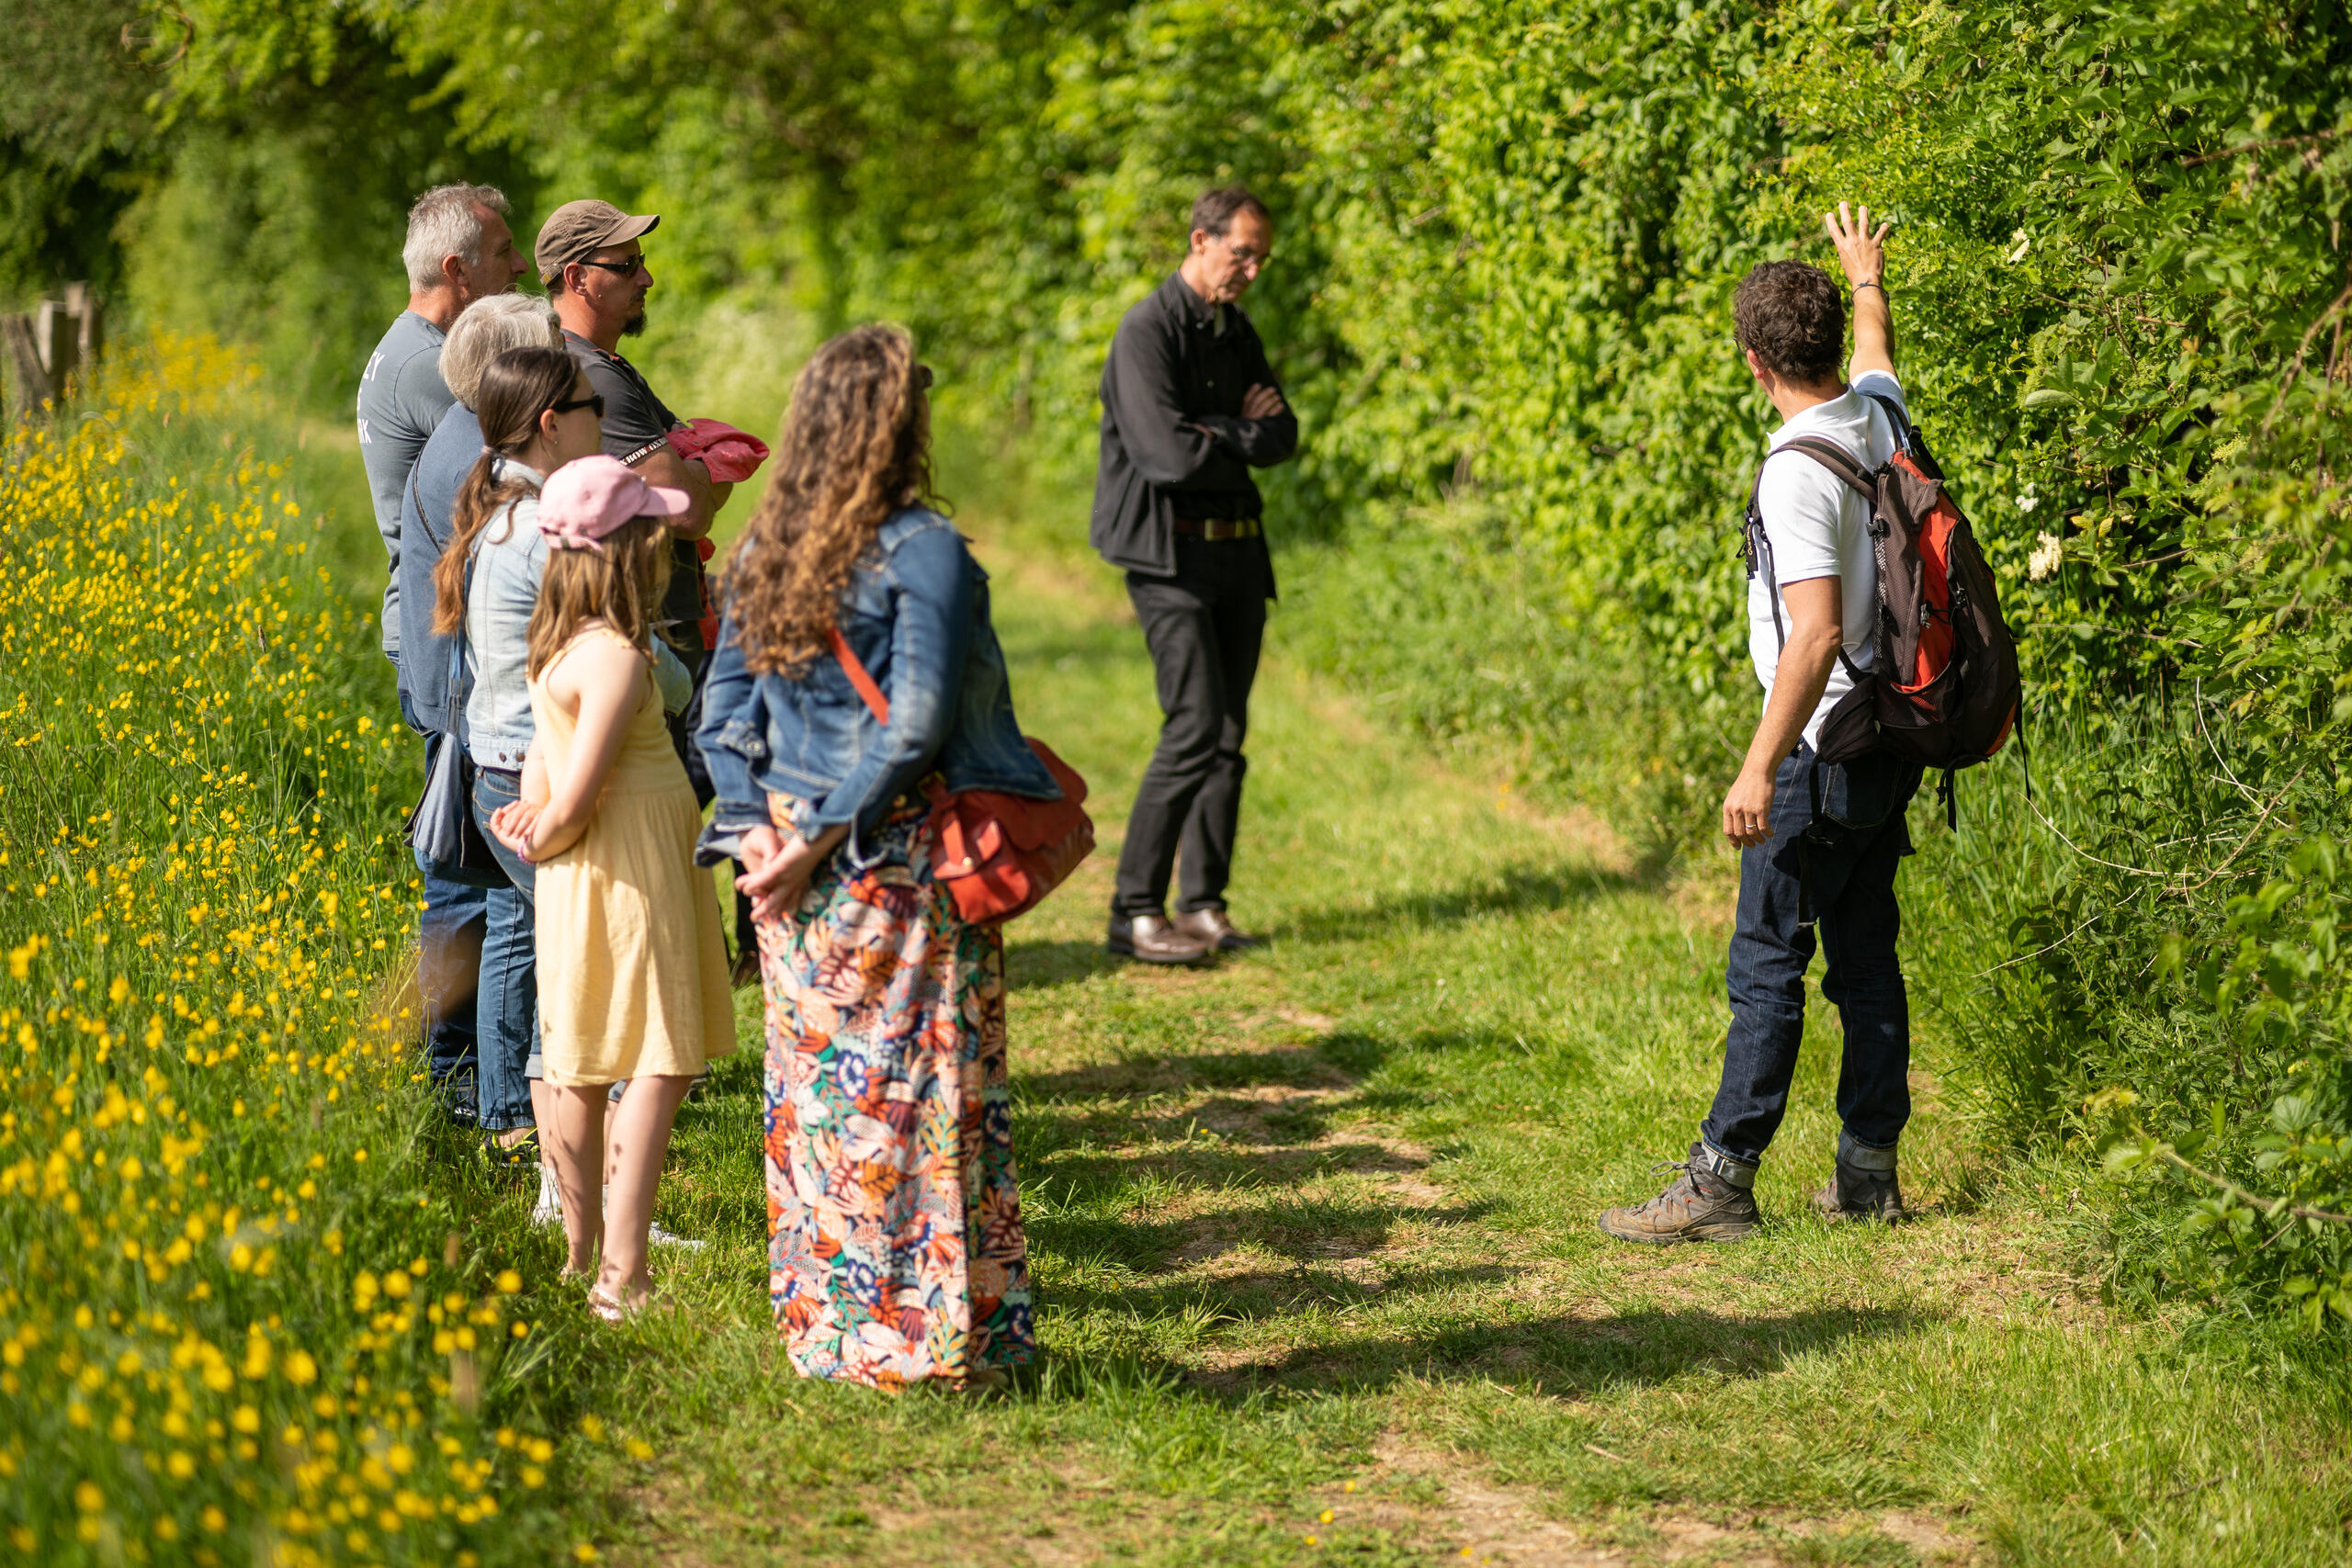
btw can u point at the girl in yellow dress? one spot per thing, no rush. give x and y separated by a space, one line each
632 967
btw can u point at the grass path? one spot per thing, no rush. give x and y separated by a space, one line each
1313 1238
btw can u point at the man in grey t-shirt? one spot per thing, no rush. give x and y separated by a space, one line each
459 249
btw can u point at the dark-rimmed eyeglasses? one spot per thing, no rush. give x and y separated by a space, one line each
593 400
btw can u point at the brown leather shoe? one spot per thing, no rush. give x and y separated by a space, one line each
1150 938
1211 926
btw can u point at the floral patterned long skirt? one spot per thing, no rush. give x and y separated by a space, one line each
895 1249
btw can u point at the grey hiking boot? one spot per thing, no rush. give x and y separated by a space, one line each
1711 1201
1862 1187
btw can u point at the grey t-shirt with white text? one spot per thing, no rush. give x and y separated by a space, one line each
401 399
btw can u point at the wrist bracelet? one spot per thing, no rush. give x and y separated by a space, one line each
1873 283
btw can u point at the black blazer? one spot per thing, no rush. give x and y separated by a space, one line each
1173 438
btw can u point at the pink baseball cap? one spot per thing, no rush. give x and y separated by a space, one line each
589 497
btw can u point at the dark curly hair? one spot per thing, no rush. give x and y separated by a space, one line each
1792 317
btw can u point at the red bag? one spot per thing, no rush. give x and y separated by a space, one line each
998 854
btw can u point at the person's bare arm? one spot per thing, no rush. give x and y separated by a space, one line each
664 467
603 681
533 787
1863 253
1816 631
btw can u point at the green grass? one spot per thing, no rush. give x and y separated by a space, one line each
1314 1232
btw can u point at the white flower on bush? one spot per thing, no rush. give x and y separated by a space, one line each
2047 550
2028 499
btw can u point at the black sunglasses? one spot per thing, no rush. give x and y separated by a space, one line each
593 400
625 269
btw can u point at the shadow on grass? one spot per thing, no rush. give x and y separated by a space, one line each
1263 1293
1517 890
1574 1356
1041 965
1309 1232
1291 1067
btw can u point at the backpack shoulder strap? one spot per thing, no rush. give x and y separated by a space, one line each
1903 433
854 667
1837 459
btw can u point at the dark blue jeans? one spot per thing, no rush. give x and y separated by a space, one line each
1845 858
507 1010
448 962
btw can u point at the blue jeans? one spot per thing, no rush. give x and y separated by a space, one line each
507 1006
448 965
1845 858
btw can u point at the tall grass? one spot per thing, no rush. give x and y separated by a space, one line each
242 1314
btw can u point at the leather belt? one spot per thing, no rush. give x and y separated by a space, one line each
1217 527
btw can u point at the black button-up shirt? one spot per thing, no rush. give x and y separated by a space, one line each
1174 443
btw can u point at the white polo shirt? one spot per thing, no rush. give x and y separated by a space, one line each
1819 527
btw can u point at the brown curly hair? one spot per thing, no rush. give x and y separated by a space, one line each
855 447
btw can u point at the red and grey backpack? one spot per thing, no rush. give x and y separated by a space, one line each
1943 688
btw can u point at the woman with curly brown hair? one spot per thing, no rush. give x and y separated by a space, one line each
897 1252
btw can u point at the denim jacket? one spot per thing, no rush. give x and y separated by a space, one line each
510 556
916 612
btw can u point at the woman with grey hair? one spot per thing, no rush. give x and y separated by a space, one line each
487 329
504 999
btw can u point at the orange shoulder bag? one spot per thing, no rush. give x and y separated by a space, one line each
997 855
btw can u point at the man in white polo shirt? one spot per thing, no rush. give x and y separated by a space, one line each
1819 841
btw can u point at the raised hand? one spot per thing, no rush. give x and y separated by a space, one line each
1861 252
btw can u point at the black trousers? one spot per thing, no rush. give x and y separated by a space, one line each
1203 627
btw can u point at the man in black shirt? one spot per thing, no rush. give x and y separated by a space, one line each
1189 407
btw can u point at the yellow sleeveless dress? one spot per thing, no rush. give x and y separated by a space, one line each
632 965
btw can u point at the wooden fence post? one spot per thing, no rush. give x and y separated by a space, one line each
46 354
54 334
29 387
89 316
